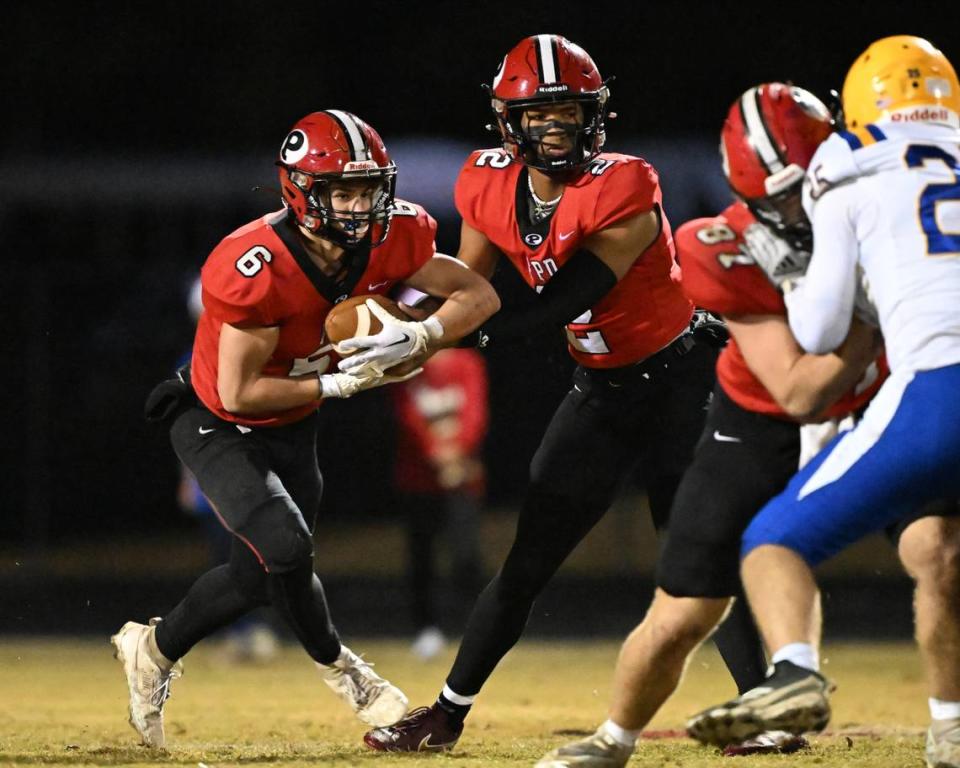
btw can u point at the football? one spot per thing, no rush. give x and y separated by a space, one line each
352 317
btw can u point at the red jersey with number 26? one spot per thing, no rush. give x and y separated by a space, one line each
261 276
646 310
719 277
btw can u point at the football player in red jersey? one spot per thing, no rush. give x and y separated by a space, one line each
247 427
586 231
767 387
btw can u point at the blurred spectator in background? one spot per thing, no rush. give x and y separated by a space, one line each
442 420
250 638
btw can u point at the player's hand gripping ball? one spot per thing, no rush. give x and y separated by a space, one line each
352 317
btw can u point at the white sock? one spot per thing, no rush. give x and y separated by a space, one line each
944 710
455 698
620 735
802 654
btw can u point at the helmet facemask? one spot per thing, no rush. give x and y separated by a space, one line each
347 227
782 212
535 145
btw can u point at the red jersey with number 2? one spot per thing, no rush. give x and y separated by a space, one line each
646 310
261 276
718 276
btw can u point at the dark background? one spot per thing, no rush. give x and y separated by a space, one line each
131 139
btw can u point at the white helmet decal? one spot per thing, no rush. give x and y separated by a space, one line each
295 147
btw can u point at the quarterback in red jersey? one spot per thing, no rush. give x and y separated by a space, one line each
587 232
247 428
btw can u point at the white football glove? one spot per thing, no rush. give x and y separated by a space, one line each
399 340
780 262
343 385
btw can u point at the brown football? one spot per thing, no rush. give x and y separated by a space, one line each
352 317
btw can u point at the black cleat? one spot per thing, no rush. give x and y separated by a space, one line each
792 699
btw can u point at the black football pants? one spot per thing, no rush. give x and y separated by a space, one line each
652 412
265 486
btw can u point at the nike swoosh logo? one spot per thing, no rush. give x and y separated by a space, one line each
404 340
374 286
565 235
426 746
725 438
207 431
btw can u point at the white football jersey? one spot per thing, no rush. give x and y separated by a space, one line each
884 203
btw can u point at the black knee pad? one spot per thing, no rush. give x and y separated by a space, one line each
278 536
698 566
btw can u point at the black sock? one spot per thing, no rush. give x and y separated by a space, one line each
787 670
740 646
457 712
213 602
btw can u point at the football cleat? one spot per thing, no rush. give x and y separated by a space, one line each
375 701
768 743
792 699
943 744
149 683
425 729
597 751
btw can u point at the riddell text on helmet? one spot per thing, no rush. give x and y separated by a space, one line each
922 114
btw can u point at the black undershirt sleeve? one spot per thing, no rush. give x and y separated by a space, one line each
577 286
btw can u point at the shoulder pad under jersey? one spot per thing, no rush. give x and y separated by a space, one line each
833 165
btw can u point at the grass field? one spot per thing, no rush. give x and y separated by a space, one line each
64 703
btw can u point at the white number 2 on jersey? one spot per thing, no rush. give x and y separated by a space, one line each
590 342
315 363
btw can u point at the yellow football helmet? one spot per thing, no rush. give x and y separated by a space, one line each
901 78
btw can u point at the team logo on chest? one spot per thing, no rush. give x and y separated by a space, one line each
533 239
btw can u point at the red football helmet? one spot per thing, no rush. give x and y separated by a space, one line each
768 139
549 69
336 146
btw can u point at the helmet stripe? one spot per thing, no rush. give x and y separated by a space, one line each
546 59
358 147
757 131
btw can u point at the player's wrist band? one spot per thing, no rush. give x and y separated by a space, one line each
434 327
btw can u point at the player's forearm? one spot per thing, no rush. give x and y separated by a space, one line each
576 287
465 310
815 382
818 322
265 394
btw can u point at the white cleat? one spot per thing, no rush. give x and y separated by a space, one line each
600 750
149 684
375 701
943 744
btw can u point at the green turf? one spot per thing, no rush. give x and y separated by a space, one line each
64 703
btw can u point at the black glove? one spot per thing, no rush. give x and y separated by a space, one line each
169 398
709 328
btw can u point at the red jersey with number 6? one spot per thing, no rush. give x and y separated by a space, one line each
646 310
719 276
261 275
